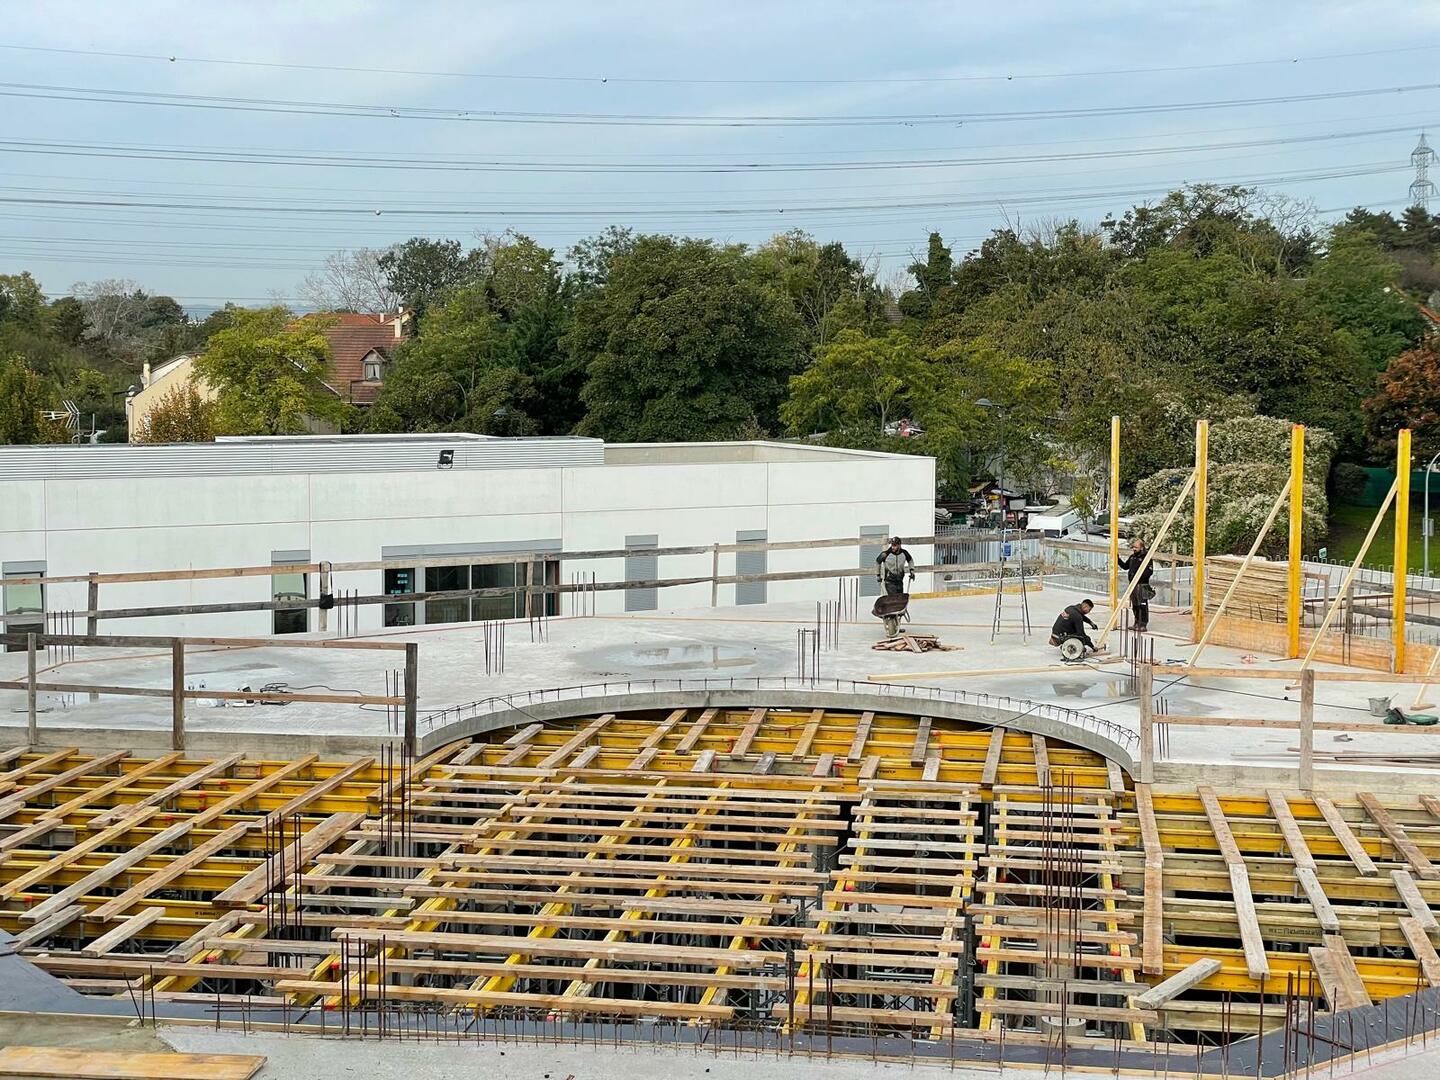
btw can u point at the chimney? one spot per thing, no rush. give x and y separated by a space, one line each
145 374
400 317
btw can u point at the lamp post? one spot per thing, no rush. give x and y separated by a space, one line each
1425 514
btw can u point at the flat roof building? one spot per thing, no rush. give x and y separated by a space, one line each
441 511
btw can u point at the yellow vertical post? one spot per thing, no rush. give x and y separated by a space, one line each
1202 456
1402 544
1114 511
1297 524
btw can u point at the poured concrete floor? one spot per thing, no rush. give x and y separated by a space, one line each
722 642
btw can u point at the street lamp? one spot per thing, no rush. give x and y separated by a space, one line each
1425 528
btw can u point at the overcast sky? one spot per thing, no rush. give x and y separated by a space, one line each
693 130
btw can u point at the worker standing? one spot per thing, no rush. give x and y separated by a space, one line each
1141 594
892 565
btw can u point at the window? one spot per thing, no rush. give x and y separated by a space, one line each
400 583
290 585
447 579
374 369
24 604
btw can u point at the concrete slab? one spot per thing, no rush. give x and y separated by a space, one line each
742 642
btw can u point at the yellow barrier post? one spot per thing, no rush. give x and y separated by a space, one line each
1202 456
1114 511
1297 524
1402 545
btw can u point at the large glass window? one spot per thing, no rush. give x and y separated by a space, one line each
447 579
400 583
496 576
24 607
290 586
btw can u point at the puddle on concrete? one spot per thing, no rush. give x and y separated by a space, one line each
690 657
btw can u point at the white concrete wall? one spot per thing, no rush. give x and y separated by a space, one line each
137 524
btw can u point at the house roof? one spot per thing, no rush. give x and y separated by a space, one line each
352 338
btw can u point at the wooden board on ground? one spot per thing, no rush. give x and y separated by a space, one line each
101 1065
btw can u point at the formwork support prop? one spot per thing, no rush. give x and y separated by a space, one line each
1402 547
1149 557
1114 512
1239 574
1293 607
1202 467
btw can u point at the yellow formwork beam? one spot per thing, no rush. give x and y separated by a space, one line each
1293 606
1202 469
1402 547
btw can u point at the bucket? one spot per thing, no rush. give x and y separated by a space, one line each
1379 706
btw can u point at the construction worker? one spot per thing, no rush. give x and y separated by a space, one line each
892 565
1072 622
1143 591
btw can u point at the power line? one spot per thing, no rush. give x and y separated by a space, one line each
754 81
471 114
355 159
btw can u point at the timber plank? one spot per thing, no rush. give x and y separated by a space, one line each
922 741
807 737
1343 833
862 736
992 757
1424 951
1294 839
1042 761
692 736
1397 836
54 1061
748 733
179 787
124 932
1177 984
253 885
1410 894
17 799
575 742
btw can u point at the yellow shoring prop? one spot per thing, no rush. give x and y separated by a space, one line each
1114 510
1402 548
1149 556
1349 575
1244 566
1197 547
1297 529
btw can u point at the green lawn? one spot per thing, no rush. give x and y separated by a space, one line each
1348 525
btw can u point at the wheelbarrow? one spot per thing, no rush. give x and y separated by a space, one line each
891 608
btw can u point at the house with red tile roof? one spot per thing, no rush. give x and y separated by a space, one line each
363 347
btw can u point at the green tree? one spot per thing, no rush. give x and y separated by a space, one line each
591 257
856 383
23 397
829 289
67 321
268 370
1357 285
932 277
21 301
420 271
681 342
181 416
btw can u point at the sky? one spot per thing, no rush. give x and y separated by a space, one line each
220 151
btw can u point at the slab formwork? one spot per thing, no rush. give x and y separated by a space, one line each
795 872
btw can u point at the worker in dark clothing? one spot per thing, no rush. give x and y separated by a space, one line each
1143 591
1072 622
892 565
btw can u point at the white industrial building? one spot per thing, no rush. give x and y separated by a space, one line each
77 510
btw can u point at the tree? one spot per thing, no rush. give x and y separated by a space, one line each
67 321
114 308
181 416
22 402
931 277
1408 397
351 281
1357 286
268 371
829 289
681 342
856 383
1249 464
420 271
592 257
518 273
21 301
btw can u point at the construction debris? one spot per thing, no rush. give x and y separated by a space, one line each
916 643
